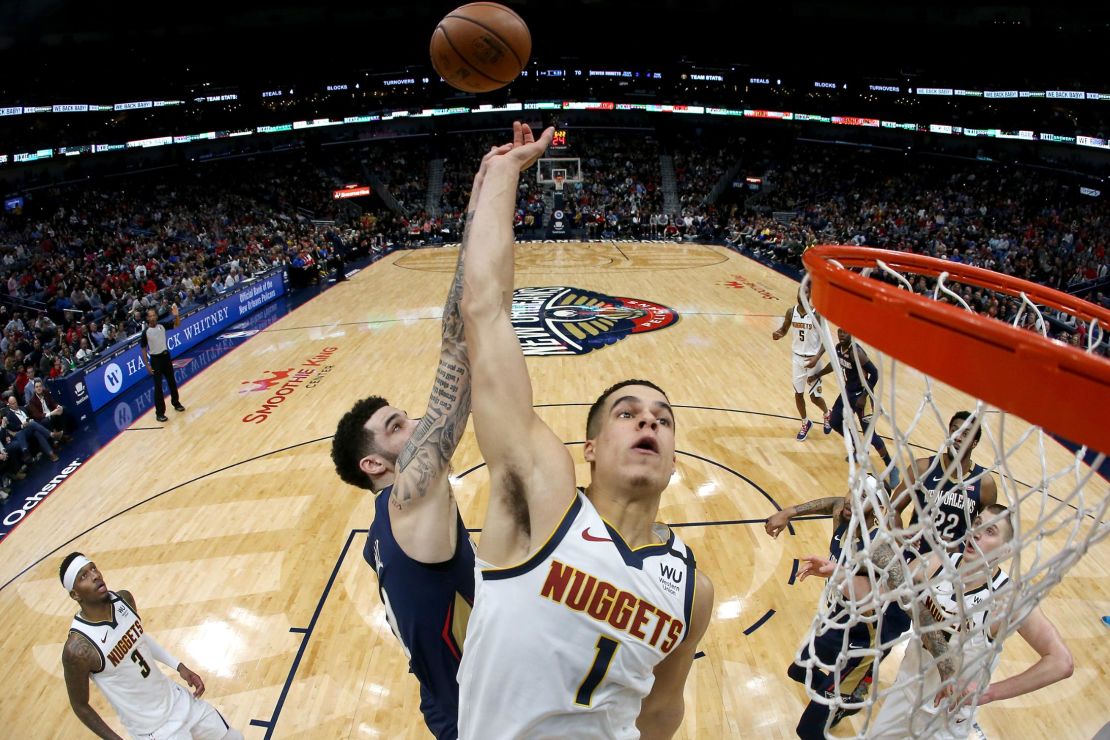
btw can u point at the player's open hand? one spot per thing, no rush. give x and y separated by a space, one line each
526 147
192 679
811 565
776 523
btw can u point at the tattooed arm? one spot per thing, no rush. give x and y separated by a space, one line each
777 521
423 463
79 660
895 575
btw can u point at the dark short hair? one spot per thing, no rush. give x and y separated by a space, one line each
960 416
353 441
593 418
995 510
65 564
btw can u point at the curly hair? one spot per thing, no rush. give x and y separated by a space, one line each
353 441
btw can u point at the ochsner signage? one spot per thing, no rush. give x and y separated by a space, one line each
15 517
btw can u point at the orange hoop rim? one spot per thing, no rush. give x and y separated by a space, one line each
1044 381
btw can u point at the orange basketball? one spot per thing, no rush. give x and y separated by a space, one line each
480 47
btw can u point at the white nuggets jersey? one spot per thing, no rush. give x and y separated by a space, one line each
141 694
564 644
908 710
806 340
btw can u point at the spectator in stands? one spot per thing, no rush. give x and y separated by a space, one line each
85 352
25 429
46 411
10 466
23 376
16 324
29 388
96 336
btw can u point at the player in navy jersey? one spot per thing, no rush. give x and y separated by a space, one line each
418 545
860 379
587 612
958 487
855 672
951 609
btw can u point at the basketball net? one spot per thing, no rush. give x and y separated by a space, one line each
1057 501
558 183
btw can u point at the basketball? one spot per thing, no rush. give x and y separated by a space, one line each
480 47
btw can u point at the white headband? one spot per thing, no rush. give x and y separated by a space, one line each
74 568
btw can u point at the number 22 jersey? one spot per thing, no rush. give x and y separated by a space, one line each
565 643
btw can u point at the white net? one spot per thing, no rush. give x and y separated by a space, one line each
935 570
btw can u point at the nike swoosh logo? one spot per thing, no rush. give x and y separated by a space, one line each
105 638
590 538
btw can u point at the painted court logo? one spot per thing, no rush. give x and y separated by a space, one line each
263 384
740 282
283 384
571 321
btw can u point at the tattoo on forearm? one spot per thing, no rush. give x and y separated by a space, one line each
819 505
933 640
435 438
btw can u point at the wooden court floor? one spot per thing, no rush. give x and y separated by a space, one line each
244 550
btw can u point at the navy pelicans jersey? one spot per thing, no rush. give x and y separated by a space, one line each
957 501
895 621
427 606
564 644
144 698
853 374
909 705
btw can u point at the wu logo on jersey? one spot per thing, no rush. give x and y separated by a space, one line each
572 321
670 572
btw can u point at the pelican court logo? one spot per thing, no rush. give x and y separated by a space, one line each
572 321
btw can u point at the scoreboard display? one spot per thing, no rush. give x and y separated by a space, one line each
559 140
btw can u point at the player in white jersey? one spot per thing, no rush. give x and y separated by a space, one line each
107 643
806 347
587 614
974 577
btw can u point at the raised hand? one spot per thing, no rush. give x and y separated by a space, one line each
526 148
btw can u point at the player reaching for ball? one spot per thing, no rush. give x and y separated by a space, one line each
587 612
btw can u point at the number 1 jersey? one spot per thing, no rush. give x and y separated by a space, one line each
565 643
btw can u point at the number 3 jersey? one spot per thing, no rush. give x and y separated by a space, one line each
143 697
564 644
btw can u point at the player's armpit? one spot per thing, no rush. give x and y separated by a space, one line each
662 710
531 472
